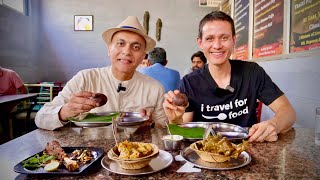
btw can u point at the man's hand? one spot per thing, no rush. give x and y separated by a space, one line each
263 131
79 102
144 112
173 112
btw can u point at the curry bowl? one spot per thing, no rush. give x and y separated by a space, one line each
133 155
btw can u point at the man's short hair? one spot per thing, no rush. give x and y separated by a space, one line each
214 16
157 55
200 55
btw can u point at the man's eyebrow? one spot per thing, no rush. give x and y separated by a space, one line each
133 42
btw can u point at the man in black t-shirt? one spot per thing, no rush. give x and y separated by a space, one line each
227 90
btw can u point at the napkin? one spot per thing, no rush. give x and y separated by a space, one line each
187 167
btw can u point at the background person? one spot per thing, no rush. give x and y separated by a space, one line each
169 78
229 87
126 89
145 63
10 82
198 60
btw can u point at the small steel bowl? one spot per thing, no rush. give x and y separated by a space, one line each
172 142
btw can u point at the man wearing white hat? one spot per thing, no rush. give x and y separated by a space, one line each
126 89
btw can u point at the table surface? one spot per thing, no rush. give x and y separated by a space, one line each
293 156
16 97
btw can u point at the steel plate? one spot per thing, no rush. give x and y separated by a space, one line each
233 132
131 119
192 157
163 160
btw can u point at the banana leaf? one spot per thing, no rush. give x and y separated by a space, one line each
195 132
92 117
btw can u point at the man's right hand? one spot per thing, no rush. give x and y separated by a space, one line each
173 112
79 102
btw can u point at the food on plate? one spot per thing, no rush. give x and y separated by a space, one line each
134 150
93 117
133 155
53 148
186 132
180 99
100 98
37 161
218 149
52 166
82 155
54 157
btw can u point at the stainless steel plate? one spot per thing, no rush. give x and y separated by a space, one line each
192 157
163 160
233 132
131 119
126 119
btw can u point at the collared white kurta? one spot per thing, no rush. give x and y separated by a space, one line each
142 92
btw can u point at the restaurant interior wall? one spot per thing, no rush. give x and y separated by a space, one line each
62 52
44 47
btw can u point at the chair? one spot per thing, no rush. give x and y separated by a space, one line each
57 87
258 110
44 91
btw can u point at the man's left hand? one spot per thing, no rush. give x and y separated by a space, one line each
144 112
263 131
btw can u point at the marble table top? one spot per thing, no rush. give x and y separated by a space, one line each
294 156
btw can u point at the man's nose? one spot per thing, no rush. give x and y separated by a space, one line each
126 50
216 44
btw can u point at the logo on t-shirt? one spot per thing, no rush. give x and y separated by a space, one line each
240 105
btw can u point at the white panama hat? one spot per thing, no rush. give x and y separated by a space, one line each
129 24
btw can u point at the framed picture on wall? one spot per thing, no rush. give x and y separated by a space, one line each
83 22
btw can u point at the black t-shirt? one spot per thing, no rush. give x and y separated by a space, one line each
249 82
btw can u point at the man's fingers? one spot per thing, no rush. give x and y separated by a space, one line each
257 133
79 107
168 106
83 94
84 101
263 131
143 112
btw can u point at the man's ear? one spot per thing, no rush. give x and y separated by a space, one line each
234 38
166 62
199 42
109 51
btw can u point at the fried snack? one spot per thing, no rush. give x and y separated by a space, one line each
134 150
133 155
180 99
100 98
217 149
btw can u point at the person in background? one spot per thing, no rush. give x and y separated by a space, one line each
227 90
169 78
126 89
198 60
10 82
145 63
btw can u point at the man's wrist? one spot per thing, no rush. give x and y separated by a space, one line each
61 115
176 121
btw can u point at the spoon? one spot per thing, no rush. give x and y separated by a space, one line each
209 130
114 130
221 116
168 128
